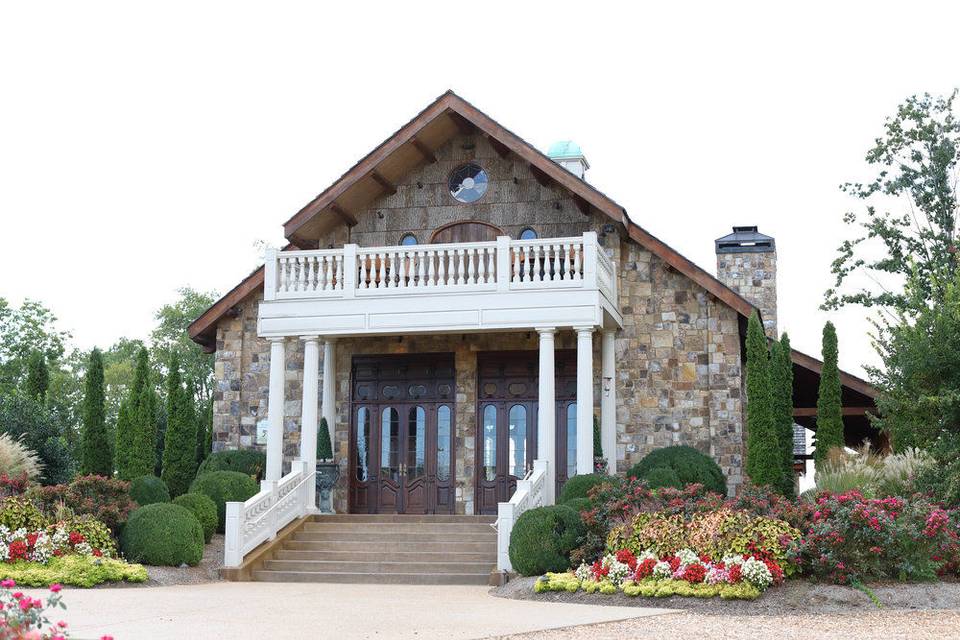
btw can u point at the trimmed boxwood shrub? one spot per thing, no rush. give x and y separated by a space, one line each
162 534
579 486
223 487
248 461
148 490
203 508
690 466
542 539
660 477
579 504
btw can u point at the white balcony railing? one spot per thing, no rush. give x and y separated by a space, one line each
251 523
529 495
502 265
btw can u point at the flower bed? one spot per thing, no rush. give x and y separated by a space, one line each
22 616
75 570
684 573
41 546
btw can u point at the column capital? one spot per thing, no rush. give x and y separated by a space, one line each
274 339
585 329
329 339
608 332
548 331
310 338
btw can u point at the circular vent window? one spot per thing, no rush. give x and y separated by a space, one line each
468 183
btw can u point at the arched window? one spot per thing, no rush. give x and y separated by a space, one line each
408 239
466 231
528 234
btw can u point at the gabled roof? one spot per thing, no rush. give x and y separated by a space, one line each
415 144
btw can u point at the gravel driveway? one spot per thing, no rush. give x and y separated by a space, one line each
798 609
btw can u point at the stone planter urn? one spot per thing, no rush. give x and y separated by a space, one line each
327 475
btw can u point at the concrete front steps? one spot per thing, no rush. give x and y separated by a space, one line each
385 549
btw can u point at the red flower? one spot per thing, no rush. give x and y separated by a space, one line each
645 569
695 573
32 539
775 570
17 550
735 574
76 538
626 557
674 564
97 553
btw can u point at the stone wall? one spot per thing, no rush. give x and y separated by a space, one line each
754 276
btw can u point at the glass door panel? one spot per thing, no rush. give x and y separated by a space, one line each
390 445
571 440
416 442
490 443
443 443
363 444
518 441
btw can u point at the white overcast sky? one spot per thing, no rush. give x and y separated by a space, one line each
147 147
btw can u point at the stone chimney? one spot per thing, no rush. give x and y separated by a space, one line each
747 263
568 155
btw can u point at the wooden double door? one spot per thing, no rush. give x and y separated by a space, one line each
507 408
402 434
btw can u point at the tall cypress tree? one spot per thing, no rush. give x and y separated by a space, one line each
38 377
95 445
781 381
140 440
763 448
204 415
122 441
829 414
180 445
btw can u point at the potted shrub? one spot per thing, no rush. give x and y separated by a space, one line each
328 471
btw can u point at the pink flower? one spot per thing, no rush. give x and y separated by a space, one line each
56 587
106 637
8 584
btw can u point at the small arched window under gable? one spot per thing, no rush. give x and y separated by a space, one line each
466 231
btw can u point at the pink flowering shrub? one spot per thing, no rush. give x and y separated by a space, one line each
25 618
852 538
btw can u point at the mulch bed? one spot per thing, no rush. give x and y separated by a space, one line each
207 571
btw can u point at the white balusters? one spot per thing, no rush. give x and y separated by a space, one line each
516 264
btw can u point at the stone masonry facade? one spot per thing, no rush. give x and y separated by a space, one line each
678 356
754 276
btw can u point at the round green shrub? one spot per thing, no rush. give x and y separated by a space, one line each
690 465
579 486
223 487
17 512
149 490
660 477
248 461
543 538
579 504
162 534
203 508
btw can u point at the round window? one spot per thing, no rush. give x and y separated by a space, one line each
528 234
408 239
468 183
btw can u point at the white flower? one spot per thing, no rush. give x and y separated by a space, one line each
729 561
687 556
617 570
84 549
647 554
757 573
662 570
584 572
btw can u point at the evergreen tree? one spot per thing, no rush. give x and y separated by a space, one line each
597 444
140 442
95 444
204 429
38 377
122 441
829 414
180 445
763 449
324 448
781 382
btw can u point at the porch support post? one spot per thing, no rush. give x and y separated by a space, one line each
275 402
329 390
608 401
308 421
584 400
546 410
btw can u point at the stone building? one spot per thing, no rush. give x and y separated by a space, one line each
422 295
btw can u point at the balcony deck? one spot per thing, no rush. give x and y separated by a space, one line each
478 286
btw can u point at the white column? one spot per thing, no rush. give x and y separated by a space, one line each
546 409
310 407
275 403
329 407
608 401
584 400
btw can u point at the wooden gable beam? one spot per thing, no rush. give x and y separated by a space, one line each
502 150
463 125
387 186
542 178
423 149
347 218
582 205
811 412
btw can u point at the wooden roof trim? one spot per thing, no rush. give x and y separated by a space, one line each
200 330
846 379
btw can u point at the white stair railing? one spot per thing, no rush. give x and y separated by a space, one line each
251 523
529 495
